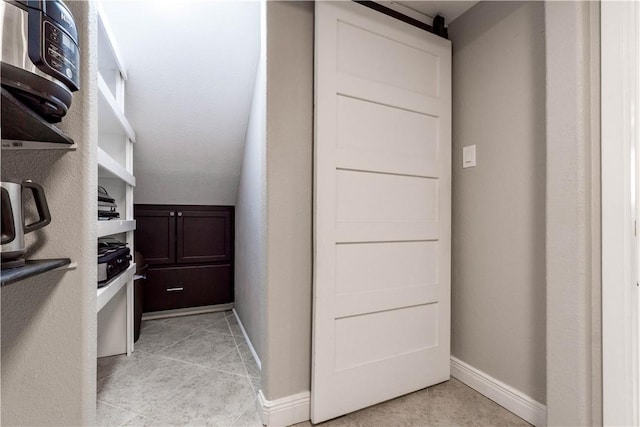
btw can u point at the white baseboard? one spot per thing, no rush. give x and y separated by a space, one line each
246 338
506 396
285 411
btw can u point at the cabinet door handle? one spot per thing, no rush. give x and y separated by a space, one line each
172 214
175 289
179 213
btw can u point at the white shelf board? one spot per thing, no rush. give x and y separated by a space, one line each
115 226
110 168
107 292
111 118
110 57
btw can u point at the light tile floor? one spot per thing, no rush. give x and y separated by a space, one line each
191 370
198 371
444 405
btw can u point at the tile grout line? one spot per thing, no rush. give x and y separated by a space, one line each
244 365
236 347
204 328
123 369
193 332
179 341
248 377
135 414
203 366
148 354
190 333
252 404
244 411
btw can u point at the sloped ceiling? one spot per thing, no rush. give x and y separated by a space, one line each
191 68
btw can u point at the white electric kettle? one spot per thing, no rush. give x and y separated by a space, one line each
13 223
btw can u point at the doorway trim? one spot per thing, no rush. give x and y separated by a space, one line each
573 226
620 160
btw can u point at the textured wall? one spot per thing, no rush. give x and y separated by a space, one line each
573 208
286 354
49 322
498 258
251 214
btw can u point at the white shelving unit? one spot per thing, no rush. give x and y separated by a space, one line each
112 118
108 167
115 173
106 293
115 226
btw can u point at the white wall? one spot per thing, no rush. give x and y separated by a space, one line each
574 373
620 90
286 355
251 214
498 255
49 321
191 67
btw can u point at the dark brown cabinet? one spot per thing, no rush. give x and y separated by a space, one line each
189 250
181 287
195 229
155 235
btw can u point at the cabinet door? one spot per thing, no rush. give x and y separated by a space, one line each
169 288
155 236
204 236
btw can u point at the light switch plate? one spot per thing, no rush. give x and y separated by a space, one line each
469 156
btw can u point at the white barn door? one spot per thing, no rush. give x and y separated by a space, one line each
382 209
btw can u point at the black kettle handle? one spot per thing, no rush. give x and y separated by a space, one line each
8 226
41 206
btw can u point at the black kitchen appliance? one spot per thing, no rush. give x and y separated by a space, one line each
114 257
139 280
106 205
40 56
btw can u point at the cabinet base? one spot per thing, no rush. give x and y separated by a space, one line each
186 311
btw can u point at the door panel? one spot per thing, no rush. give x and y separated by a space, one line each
381 138
381 58
366 196
365 267
378 338
204 236
155 236
382 209
355 87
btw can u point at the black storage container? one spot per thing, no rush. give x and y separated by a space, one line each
138 293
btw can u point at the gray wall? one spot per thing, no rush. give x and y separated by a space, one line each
498 253
250 249
512 323
287 346
49 321
574 388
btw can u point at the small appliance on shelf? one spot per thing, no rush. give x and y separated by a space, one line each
114 257
40 69
40 55
106 205
13 219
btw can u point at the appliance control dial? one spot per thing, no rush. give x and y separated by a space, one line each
61 54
